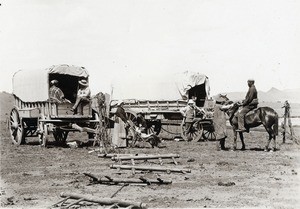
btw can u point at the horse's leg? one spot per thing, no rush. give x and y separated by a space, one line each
274 147
269 130
272 134
242 140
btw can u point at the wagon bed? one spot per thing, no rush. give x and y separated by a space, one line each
35 114
167 112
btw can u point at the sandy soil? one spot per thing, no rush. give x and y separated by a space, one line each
34 177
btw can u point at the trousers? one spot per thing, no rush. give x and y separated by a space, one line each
241 116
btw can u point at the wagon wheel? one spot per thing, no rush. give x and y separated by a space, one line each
60 136
43 134
195 133
132 137
154 127
209 135
16 127
132 116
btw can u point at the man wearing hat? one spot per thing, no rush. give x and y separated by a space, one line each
189 113
121 126
219 121
249 103
83 94
55 93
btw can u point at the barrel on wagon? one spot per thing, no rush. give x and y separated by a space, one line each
35 114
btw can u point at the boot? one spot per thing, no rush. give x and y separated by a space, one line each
222 144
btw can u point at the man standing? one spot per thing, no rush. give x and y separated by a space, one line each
219 122
120 126
249 103
189 113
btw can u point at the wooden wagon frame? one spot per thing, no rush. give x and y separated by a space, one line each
34 114
167 112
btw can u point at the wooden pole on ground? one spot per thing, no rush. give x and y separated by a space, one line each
103 201
146 157
112 181
141 168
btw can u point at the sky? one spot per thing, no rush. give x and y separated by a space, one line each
135 46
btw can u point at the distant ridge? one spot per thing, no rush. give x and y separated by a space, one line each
273 95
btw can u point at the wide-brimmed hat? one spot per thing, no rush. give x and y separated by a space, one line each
83 82
54 82
191 101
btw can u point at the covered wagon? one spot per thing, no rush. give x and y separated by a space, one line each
35 114
160 112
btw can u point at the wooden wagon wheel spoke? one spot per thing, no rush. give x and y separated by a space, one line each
132 117
16 127
60 136
209 135
195 133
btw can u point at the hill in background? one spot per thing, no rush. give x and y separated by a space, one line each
273 95
6 104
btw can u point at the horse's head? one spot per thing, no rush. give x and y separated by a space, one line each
221 99
226 107
230 107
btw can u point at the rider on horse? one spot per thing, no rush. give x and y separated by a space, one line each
249 103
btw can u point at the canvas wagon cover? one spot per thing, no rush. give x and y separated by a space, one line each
165 86
69 70
33 85
192 79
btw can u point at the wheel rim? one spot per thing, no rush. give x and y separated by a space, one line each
193 134
16 127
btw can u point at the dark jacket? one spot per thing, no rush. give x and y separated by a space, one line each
121 114
251 97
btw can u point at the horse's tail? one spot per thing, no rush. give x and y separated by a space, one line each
275 126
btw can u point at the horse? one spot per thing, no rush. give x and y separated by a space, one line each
265 116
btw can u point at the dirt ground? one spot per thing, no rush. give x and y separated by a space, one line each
34 177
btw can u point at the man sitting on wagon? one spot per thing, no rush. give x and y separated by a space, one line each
83 94
56 94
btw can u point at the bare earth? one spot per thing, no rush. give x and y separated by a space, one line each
34 177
